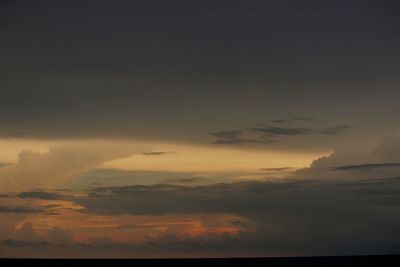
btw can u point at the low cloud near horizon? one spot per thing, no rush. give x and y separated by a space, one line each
326 209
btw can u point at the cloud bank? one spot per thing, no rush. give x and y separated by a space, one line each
58 164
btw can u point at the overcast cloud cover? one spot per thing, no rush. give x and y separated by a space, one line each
199 128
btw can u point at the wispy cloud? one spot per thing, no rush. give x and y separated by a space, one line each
184 180
42 195
367 167
19 209
156 153
13 134
277 169
277 131
238 138
335 130
267 134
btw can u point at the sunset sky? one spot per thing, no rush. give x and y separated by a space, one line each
177 128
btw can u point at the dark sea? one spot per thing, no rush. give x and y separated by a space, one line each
350 261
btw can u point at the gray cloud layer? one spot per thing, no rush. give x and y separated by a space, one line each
333 207
19 209
82 72
320 217
266 134
41 195
302 216
366 167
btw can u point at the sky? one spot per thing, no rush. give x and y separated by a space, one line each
142 129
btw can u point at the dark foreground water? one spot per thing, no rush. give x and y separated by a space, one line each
351 261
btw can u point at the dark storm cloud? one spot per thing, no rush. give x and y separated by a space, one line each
367 167
302 216
151 69
238 198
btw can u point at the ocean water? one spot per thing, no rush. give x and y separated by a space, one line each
351 261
